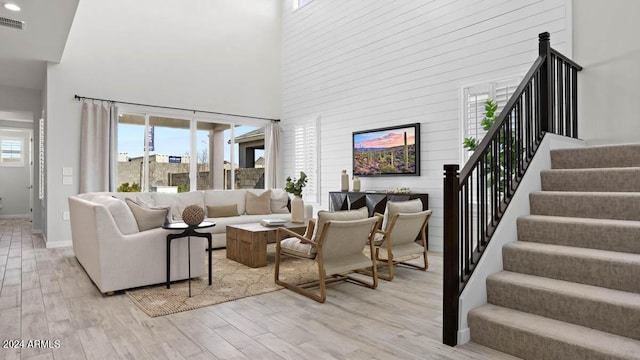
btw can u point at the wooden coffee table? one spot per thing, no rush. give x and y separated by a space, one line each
247 243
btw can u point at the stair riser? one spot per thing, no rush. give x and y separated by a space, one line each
619 237
596 157
597 206
600 314
528 345
614 180
584 270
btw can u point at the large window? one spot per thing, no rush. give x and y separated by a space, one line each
306 154
11 151
474 98
173 154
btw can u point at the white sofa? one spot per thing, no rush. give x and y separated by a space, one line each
116 255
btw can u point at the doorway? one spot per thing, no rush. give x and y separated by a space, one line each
16 164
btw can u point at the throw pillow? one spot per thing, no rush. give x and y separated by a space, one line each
222 211
258 204
397 207
122 215
147 218
279 201
324 216
148 205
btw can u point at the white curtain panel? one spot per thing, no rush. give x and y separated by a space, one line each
98 144
272 156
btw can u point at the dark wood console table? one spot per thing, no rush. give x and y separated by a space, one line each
374 201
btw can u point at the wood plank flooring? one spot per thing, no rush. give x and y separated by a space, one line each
46 295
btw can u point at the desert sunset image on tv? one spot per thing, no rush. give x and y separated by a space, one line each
389 151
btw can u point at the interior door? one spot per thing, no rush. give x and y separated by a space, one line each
15 172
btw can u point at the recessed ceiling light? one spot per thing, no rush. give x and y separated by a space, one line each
12 6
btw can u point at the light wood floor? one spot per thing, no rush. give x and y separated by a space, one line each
46 295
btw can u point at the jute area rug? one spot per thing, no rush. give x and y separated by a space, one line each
231 281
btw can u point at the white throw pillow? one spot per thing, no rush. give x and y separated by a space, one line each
122 215
279 201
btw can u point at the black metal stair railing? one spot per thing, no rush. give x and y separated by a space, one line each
476 197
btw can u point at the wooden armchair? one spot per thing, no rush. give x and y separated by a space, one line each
399 240
337 248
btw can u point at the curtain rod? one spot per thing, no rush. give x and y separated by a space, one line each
77 97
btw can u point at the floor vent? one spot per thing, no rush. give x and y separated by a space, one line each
12 23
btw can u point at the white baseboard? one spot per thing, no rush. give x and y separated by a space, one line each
58 244
17 216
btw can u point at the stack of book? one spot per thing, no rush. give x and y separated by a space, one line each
273 222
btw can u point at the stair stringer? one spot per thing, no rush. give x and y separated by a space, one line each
475 292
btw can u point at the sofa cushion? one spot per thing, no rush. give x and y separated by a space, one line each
122 215
279 201
398 207
324 216
147 218
258 204
295 247
226 197
222 211
179 201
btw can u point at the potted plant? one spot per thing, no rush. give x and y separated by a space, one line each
297 205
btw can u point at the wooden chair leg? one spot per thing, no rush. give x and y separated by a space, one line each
301 289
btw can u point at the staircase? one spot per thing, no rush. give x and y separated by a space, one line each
570 288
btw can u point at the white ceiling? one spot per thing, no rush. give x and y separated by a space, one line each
25 52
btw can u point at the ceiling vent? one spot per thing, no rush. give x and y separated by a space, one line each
12 23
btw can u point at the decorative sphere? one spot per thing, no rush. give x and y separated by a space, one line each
193 215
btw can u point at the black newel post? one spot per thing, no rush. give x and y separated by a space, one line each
451 284
546 81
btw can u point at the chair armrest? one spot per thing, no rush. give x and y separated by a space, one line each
295 235
310 227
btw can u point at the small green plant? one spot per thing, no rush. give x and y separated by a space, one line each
471 144
125 187
295 186
490 117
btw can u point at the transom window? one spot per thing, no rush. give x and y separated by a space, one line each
11 151
300 3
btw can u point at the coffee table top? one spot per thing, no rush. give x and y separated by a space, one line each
257 227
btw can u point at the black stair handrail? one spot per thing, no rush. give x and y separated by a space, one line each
476 198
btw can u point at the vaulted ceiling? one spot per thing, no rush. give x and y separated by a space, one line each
24 53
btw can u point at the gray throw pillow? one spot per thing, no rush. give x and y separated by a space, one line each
147 218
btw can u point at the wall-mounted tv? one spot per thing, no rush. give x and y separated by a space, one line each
387 151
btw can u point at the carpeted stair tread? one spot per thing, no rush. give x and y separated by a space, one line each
599 205
535 337
625 179
613 311
610 269
604 234
596 157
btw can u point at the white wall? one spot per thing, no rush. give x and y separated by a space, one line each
371 64
606 45
221 56
25 101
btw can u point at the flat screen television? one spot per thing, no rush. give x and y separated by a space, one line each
387 151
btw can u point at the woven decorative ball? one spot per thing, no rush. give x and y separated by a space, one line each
193 215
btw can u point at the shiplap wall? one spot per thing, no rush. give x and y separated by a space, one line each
364 64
